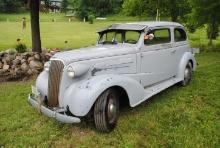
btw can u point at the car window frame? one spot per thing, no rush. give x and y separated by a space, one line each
175 36
160 28
123 33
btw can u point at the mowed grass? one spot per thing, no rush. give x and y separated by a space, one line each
53 34
177 117
76 33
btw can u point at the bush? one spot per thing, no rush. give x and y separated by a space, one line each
91 19
21 48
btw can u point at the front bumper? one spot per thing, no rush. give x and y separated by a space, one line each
58 114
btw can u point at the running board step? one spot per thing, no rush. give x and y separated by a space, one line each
150 91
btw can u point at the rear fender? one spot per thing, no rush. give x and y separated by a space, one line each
81 96
188 56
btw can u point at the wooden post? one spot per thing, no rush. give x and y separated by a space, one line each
35 26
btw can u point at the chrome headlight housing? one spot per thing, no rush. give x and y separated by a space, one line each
47 66
70 72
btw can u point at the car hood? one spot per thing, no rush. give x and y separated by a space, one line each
99 51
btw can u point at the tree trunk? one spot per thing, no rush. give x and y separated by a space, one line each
173 11
212 28
35 26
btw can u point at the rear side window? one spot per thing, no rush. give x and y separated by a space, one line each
160 36
179 35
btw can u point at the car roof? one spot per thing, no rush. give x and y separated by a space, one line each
139 26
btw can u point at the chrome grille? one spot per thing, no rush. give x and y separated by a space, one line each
55 74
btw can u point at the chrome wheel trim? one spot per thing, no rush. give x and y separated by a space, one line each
111 109
187 75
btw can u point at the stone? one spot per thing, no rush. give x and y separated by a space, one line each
36 65
30 59
23 60
24 67
6 67
35 72
37 56
2 54
1 65
32 72
11 51
26 54
17 70
16 62
13 66
9 58
47 56
2 71
18 57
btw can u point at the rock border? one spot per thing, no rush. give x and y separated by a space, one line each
21 66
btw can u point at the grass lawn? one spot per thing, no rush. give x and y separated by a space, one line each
177 117
78 34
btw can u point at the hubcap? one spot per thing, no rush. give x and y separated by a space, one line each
187 75
112 109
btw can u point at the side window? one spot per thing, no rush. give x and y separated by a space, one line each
160 36
132 37
179 35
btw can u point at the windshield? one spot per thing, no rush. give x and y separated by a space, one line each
119 36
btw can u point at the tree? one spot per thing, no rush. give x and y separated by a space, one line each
64 5
134 7
47 4
35 26
10 6
206 12
84 8
174 9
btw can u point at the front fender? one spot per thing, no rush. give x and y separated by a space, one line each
41 83
183 62
81 96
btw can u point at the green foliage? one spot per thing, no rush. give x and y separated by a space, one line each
133 7
206 12
174 9
21 48
212 31
11 6
91 18
97 7
64 5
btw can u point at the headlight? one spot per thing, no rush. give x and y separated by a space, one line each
47 66
70 72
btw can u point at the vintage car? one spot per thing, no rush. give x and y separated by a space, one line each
131 62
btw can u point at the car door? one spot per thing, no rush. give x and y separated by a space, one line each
157 57
180 44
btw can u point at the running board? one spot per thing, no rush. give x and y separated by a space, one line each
150 91
155 89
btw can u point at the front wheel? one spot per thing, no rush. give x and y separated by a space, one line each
106 111
187 75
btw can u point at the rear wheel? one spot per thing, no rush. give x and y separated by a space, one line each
106 111
187 75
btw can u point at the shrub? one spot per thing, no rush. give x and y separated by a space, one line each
91 19
21 48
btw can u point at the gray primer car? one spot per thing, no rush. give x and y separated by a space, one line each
131 62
